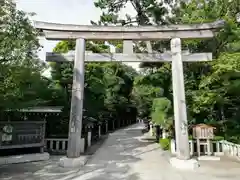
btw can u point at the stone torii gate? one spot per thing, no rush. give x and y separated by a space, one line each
175 33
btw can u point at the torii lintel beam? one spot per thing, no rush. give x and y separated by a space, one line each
119 57
54 31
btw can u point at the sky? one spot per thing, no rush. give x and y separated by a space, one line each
59 11
64 11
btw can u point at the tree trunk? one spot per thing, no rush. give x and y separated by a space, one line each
157 130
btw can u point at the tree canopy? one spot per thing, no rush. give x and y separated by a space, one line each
211 88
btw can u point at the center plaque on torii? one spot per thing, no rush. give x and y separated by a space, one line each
174 33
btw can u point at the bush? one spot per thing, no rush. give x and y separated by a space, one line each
190 137
218 138
165 144
233 139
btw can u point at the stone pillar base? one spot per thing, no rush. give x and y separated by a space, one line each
72 162
209 158
219 154
190 164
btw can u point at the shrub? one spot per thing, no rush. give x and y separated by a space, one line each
165 144
218 138
233 139
190 137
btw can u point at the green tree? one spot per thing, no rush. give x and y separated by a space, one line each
20 69
19 42
210 87
143 94
147 11
107 85
227 40
161 108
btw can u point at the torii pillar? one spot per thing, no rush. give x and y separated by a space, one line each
182 160
73 158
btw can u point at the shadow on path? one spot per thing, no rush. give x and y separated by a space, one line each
110 162
42 170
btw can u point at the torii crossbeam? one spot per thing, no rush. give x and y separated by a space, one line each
175 33
54 31
123 57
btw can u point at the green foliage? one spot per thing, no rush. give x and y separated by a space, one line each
21 84
196 11
108 86
218 138
212 89
148 11
165 144
18 39
143 95
217 96
222 82
160 110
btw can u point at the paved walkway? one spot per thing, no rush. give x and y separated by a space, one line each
125 155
